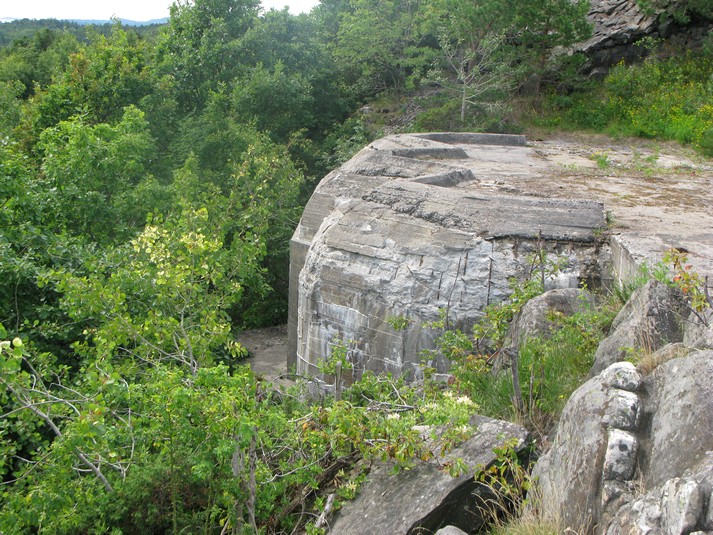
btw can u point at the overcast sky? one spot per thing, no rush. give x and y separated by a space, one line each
139 10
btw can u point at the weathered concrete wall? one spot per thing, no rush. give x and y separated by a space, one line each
411 226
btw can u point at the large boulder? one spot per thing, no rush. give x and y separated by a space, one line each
534 320
418 224
594 448
634 454
424 499
653 317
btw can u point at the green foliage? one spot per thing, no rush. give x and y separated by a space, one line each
602 159
111 73
550 368
183 450
660 98
706 142
399 323
275 101
89 170
681 12
34 61
148 190
507 480
345 140
543 25
554 367
443 114
9 105
200 49
338 358
383 43
689 282
164 296
473 41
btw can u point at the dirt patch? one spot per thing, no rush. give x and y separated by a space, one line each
268 350
656 190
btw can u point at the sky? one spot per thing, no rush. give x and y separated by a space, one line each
139 10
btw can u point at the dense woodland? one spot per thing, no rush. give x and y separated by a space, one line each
149 183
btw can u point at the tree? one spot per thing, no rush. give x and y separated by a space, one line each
200 47
111 73
473 36
276 102
88 169
543 25
164 296
382 41
298 48
34 61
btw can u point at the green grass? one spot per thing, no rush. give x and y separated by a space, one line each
668 99
550 369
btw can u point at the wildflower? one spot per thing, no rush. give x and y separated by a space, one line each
464 400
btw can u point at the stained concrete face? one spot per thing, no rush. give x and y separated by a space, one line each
412 226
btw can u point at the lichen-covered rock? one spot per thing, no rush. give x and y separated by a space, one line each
653 317
624 411
620 457
698 332
682 505
450 530
681 407
677 507
636 459
622 375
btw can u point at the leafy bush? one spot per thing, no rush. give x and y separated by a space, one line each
186 449
659 98
442 114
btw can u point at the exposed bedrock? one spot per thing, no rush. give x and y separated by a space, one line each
633 450
619 25
425 498
634 454
411 227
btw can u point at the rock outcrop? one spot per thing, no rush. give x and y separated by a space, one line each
412 226
534 318
618 25
633 450
654 316
418 224
424 499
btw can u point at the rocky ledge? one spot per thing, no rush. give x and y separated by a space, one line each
422 223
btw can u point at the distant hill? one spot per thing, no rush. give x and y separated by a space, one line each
98 22
125 22
14 29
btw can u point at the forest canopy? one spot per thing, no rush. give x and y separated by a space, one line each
150 180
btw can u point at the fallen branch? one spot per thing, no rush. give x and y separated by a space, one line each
322 520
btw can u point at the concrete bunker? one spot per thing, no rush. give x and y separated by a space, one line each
415 224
